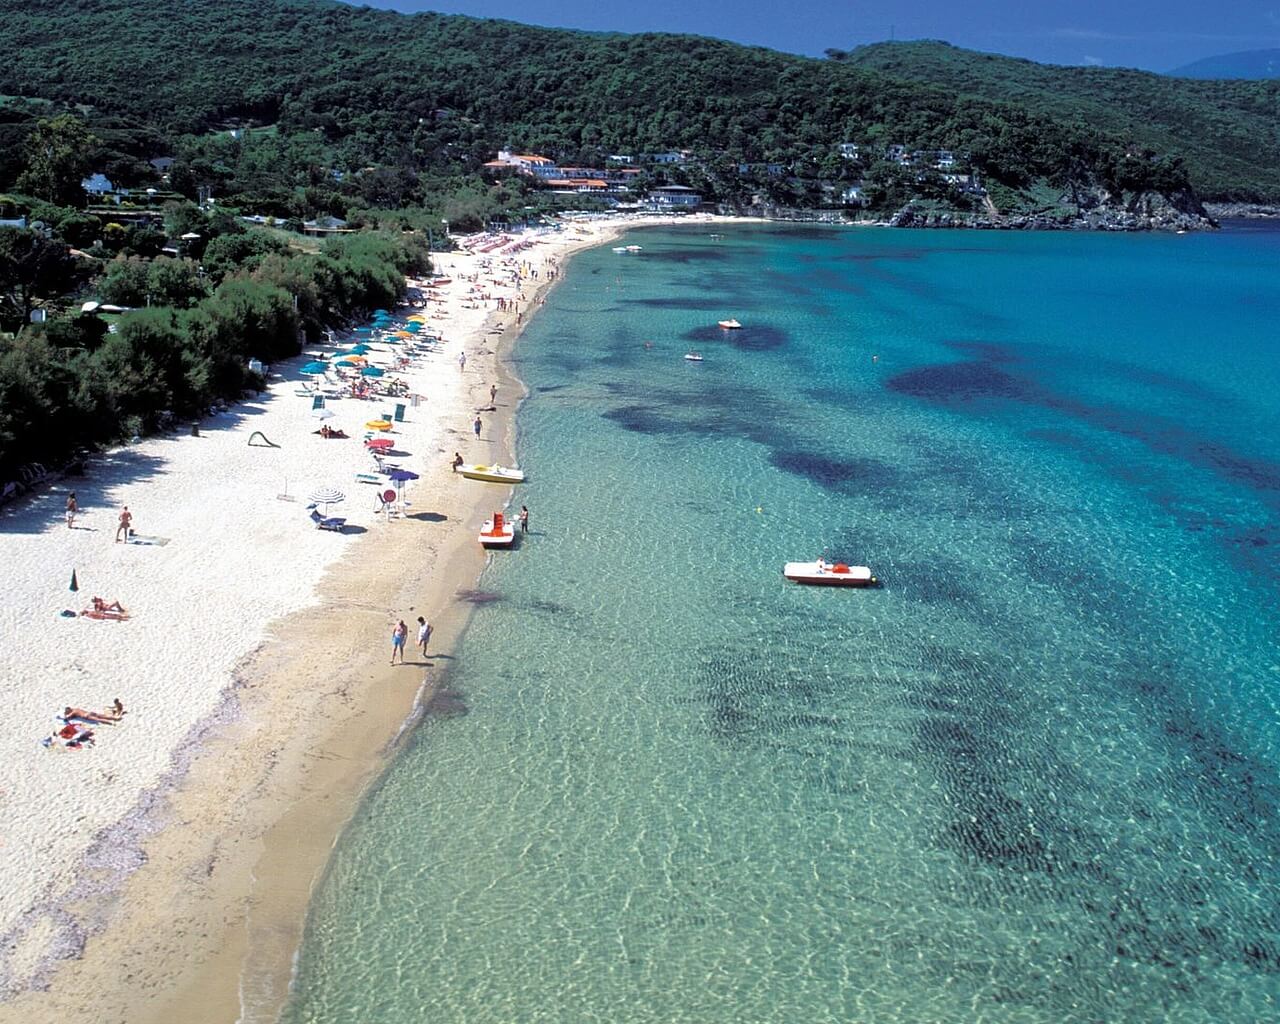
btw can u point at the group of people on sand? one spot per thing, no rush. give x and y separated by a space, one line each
400 635
124 527
77 732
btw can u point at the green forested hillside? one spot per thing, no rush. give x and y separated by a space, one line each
1227 132
437 94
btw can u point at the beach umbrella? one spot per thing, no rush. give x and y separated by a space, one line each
75 585
315 367
380 312
412 327
321 414
358 350
326 496
372 371
352 360
380 444
402 474
416 318
378 425
363 330
402 334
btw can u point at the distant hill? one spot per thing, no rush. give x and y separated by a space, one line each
1245 64
1228 132
435 95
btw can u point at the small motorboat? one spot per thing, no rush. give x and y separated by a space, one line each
493 474
693 357
619 248
826 574
728 325
497 532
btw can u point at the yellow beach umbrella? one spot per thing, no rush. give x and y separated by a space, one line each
402 334
353 360
420 317
379 424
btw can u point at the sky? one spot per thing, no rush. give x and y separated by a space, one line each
1157 35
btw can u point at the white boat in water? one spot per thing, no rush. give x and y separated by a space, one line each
693 357
497 532
728 325
826 574
493 474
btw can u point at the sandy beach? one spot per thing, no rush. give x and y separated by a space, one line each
168 865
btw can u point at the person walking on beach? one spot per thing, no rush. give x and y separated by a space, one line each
424 634
493 393
462 360
524 518
126 524
476 426
72 509
398 636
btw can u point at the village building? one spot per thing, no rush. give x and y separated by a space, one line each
674 197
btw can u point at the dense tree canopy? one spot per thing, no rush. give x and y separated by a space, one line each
395 102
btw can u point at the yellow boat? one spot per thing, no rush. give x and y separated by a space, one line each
493 474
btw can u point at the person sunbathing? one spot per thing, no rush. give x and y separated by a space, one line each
89 716
101 606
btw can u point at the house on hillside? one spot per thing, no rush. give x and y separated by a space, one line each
850 151
526 163
854 196
326 226
898 154
98 185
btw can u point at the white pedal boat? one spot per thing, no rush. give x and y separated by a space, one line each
728 325
497 532
827 574
493 474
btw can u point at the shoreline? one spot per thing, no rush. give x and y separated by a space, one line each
198 895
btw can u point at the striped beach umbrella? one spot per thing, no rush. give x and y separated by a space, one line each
326 496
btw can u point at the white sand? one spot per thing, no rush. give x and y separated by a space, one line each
236 558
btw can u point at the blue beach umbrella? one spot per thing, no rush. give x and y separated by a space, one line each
371 371
413 327
363 330
314 367
379 312
359 350
402 474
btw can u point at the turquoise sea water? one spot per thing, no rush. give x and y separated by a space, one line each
1032 778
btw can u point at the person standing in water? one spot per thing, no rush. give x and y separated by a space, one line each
524 518
476 426
72 509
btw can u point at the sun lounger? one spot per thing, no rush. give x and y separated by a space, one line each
327 522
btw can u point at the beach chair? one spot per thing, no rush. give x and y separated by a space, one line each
335 523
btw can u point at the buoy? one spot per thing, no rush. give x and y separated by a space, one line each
74 585
759 509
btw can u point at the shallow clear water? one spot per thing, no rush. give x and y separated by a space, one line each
1032 778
